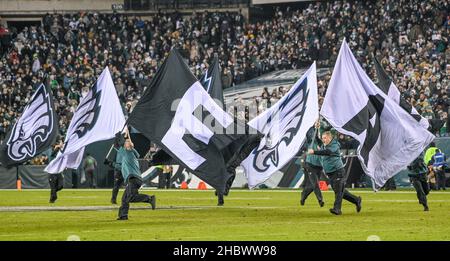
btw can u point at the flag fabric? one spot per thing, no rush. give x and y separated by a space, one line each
99 116
34 132
386 84
284 126
389 138
165 114
212 82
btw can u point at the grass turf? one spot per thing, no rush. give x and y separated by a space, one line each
247 215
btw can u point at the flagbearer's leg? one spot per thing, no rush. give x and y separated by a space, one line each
123 210
118 181
136 197
338 193
308 188
420 192
220 200
52 182
314 181
56 182
60 183
131 194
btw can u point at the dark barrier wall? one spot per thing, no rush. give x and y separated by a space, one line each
8 178
35 177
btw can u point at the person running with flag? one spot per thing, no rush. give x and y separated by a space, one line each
312 167
133 180
418 177
334 168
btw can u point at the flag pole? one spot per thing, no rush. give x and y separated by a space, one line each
316 130
112 145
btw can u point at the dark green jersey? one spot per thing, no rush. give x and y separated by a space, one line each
313 143
129 163
330 156
417 166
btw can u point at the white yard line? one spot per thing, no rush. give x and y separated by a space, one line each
232 190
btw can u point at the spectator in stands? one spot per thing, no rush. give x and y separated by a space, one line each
70 50
417 173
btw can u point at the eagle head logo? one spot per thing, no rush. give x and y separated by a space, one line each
283 131
85 116
33 128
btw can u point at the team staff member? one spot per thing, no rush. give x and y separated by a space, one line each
312 168
56 181
438 161
334 168
132 176
429 153
418 176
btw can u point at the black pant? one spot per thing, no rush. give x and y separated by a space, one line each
118 181
440 179
131 194
56 182
337 180
74 179
91 178
167 177
312 175
421 186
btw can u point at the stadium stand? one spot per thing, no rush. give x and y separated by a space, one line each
69 50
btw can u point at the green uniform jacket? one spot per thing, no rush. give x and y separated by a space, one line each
417 167
330 157
129 163
313 143
118 164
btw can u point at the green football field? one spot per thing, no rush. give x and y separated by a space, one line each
257 215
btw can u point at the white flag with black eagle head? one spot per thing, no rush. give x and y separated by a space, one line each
284 126
98 117
389 137
34 132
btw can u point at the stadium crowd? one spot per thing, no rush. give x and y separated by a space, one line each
410 38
